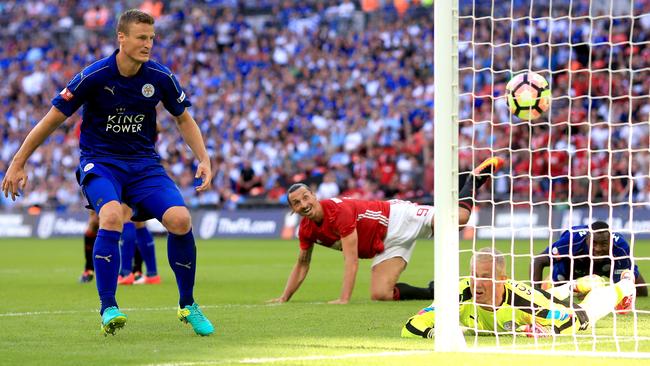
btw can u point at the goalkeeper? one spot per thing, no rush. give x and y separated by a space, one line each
491 303
582 256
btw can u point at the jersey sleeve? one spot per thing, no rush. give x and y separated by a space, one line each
344 219
420 325
73 95
622 257
304 237
305 244
542 308
464 290
174 98
563 245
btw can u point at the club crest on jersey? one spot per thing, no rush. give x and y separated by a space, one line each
66 94
508 326
148 90
88 166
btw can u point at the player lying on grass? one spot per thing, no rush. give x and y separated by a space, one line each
491 302
586 250
383 230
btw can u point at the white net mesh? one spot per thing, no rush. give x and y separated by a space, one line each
586 159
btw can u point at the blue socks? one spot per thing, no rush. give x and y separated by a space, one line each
106 258
181 252
145 243
127 249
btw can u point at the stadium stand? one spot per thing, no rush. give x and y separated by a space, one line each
300 90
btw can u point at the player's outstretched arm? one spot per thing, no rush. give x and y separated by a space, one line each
539 263
16 179
351 259
297 276
192 136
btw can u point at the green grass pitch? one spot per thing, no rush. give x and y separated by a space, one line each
47 318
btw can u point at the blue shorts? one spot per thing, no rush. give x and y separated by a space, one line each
143 184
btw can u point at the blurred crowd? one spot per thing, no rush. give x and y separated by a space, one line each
593 145
339 94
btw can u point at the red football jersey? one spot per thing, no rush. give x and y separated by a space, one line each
340 217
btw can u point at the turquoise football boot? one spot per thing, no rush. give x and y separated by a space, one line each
193 315
112 320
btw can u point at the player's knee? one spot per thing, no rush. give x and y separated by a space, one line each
177 220
382 293
110 218
381 296
463 216
126 213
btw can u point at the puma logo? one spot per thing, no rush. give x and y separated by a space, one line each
188 265
106 258
112 90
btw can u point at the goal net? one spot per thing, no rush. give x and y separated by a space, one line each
586 159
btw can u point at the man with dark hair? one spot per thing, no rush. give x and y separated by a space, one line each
385 231
583 256
119 163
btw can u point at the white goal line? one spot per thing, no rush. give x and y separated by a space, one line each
570 353
263 360
476 350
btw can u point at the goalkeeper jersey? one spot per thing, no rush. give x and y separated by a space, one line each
522 306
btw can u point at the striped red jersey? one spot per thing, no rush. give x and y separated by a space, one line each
340 217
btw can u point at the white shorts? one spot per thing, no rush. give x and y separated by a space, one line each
407 223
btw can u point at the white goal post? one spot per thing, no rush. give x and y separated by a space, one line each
586 159
448 336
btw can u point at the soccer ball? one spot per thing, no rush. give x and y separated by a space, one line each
528 95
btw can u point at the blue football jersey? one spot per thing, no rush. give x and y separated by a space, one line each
119 113
572 248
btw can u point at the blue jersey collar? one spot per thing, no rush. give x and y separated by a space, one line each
113 66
